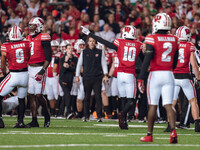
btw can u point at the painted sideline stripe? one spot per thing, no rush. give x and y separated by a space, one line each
117 134
99 145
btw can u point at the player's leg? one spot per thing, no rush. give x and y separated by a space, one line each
49 88
105 100
6 86
80 98
122 92
115 94
189 91
167 99
175 98
153 95
130 87
21 93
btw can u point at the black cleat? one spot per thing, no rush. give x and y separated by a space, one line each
47 121
46 124
99 120
32 124
69 116
2 123
168 129
197 126
122 122
21 125
125 125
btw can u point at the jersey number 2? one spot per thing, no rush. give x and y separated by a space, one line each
129 54
165 54
19 55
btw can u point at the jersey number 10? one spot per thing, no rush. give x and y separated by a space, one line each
129 54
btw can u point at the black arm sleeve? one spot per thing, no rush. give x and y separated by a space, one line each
175 59
141 55
106 43
56 61
47 50
149 53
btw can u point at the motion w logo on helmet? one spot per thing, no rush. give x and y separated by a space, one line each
127 29
157 18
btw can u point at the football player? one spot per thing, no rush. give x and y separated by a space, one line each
17 52
162 55
51 81
40 59
182 73
79 46
128 49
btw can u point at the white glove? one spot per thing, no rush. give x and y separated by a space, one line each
85 30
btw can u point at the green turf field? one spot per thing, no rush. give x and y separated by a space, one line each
77 135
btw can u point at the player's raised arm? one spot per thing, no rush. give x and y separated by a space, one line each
99 39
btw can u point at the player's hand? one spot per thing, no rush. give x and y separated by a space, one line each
66 65
198 84
105 79
141 85
85 30
39 75
77 79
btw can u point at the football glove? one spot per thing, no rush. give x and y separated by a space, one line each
85 30
141 85
39 75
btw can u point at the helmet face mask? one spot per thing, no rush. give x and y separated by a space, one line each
161 21
54 46
15 33
79 45
183 33
129 32
63 45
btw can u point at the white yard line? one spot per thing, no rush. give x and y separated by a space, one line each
99 145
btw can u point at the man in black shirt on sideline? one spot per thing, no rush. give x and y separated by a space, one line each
67 71
94 68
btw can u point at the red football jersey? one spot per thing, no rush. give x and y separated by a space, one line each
37 51
165 46
108 56
116 63
17 53
75 54
128 51
50 68
59 55
185 49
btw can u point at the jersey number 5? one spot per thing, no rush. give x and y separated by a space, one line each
165 55
19 55
129 54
